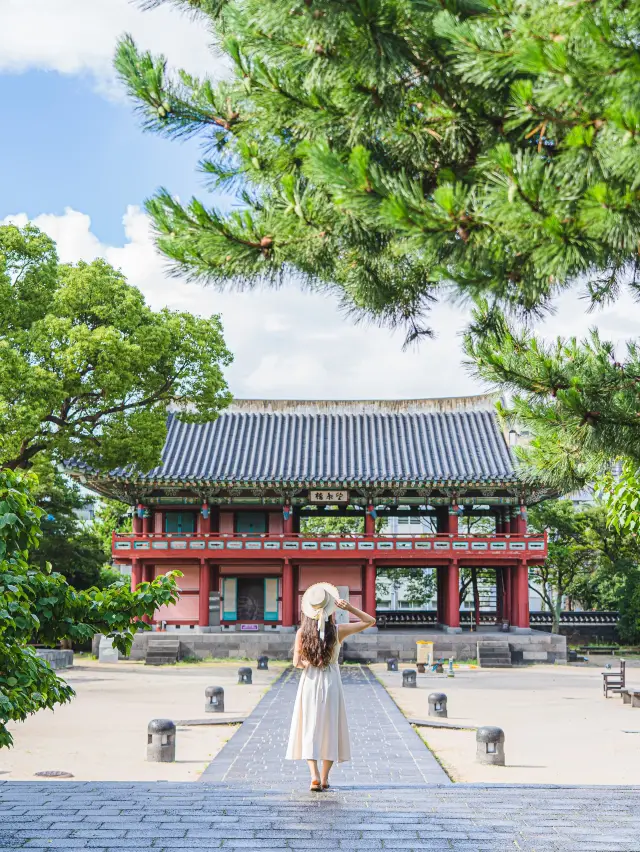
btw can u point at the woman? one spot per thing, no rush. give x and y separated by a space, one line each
319 729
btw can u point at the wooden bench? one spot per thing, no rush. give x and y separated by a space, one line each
599 649
614 681
631 695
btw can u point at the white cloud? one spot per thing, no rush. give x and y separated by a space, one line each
79 37
293 344
286 342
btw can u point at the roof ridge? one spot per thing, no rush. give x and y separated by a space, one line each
478 402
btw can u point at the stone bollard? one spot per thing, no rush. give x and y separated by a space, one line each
420 667
392 664
244 675
409 678
490 746
438 704
437 667
263 663
161 741
626 696
214 699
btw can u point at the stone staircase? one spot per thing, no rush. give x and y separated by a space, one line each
161 652
494 655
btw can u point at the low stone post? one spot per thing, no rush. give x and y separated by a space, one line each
161 741
626 696
409 678
214 699
420 668
263 663
392 664
438 705
244 675
490 746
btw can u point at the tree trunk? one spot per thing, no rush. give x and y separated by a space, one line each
476 595
555 614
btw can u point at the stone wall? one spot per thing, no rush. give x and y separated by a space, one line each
374 646
57 659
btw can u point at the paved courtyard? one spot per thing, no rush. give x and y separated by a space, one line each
393 796
101 735
558 726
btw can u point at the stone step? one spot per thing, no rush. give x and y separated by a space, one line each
160 653
494 655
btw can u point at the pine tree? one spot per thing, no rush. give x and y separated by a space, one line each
577 402
398 150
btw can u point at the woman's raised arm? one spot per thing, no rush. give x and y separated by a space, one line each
365 621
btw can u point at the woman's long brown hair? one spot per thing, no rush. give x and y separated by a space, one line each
315 651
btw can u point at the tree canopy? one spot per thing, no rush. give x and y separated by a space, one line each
38 606
88 369
400 150
589 562
578 400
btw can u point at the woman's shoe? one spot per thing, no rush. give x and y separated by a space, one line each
316 787
326 786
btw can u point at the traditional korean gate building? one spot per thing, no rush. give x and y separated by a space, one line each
225 507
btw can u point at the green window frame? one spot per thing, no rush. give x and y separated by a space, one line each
271 595
251 523
180 523
229 598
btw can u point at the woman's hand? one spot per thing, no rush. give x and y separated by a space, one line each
341 604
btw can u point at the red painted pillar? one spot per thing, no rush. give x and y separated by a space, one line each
204 587
506 607
370 588
452 520
146 522
369 522
520 596
136 574
136 522
287 522
287 595
452 611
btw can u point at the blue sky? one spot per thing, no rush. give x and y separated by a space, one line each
75 161
69 146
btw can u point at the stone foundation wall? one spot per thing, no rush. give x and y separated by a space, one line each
57 659
367 647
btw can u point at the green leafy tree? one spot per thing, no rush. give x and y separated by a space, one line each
110 515
589 562
397 149
332 525
88 369
39 606
70 546
569 560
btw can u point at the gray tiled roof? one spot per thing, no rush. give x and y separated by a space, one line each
374 443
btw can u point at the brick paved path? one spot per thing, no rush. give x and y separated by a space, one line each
385 809
121 817
385 749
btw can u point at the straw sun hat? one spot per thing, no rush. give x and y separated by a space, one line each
319 602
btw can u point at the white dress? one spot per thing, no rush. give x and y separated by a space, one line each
319 728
